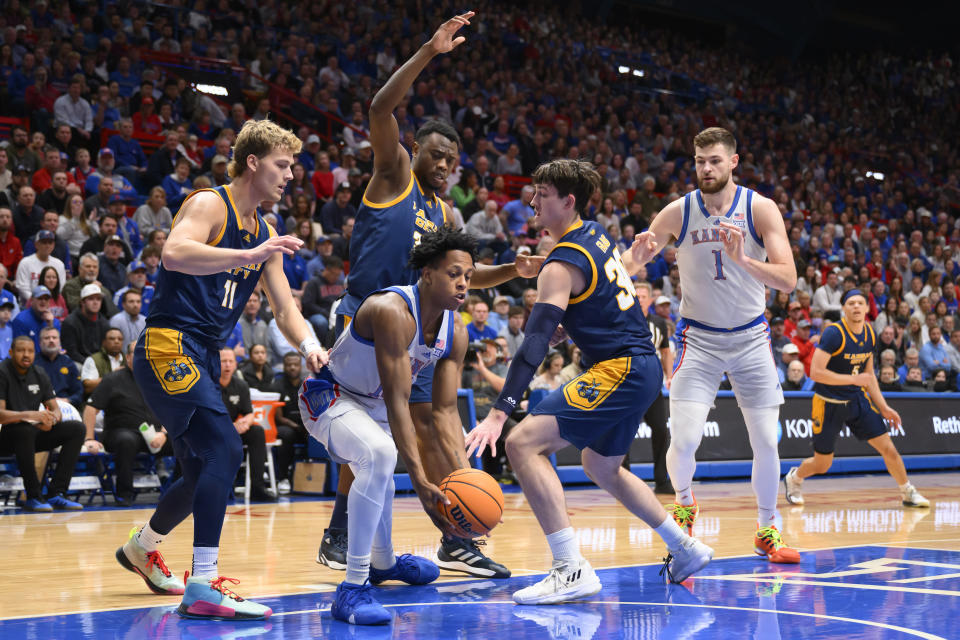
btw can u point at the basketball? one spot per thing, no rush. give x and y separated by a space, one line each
476 502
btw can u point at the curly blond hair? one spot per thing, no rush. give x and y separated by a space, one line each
260 137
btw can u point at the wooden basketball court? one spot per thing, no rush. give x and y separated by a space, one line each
62 563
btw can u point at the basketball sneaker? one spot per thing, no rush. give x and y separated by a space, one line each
692 556
792 486
333 549
149 565
685 516
464 555
210 599
408 568
36 505
355 604
768 542
565 582
912 498
60 501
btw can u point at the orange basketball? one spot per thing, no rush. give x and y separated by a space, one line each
476 502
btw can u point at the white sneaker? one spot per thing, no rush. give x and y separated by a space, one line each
792 484
692 556
283 487
565 582
912 497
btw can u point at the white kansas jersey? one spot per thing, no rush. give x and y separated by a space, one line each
353 364
716 291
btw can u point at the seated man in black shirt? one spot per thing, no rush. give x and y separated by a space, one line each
124 410
236 397
290 429
26 430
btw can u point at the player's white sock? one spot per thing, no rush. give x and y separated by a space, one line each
149 539
563 546
205 562
762 427
671 533
686 430
381 553
358 569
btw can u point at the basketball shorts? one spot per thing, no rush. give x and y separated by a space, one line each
422 388
829 417
603 407
177 374
703 356
322 400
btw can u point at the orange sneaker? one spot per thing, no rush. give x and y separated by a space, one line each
768 542
684 515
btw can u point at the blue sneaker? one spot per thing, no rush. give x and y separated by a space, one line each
37 505
355 604
60 501
408 568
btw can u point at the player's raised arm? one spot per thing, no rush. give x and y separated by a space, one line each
199 222
665 227
779 271
391 163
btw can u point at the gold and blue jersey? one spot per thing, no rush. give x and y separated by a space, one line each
849 353
207 307
605 320
383 235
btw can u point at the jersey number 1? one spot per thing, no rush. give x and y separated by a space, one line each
230 288
717 253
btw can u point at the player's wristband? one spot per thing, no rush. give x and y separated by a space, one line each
309 345
543 321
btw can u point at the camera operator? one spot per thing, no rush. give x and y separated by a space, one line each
484 371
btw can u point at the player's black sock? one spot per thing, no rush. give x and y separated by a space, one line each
338 520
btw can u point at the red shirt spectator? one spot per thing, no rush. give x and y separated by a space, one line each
11 252
145 120
805 345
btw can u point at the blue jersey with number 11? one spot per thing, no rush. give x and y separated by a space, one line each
605 320
207 307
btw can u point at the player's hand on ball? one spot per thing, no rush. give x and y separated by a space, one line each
430 497
443 40
529 266
485 434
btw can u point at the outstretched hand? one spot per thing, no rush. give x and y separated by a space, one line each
486 434
278 244
528 266
644 247
443 40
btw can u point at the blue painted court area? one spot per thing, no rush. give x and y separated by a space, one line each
864 592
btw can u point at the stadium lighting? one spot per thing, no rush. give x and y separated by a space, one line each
212 89
623 69
876 175
639 73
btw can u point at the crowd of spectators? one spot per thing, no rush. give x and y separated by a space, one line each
854 148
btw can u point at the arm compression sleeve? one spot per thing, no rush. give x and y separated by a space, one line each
543 321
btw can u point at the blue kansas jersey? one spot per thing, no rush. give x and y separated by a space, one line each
605 321
849 354
207 307
383 235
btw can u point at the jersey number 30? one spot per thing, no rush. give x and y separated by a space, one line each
616 273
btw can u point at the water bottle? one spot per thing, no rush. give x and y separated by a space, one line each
149 433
